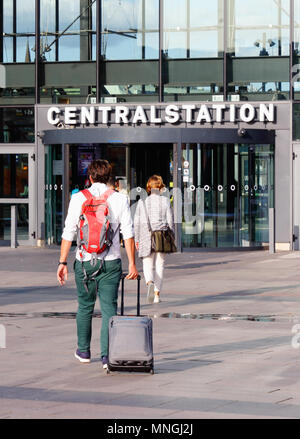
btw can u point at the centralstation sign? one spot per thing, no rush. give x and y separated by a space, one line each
157 114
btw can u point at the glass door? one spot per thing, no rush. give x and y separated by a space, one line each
54 170
17 198
296 200
257 193
227 192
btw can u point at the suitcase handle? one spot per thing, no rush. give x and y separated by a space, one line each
138 306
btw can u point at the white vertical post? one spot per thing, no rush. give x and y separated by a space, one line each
13 227
2 337
271 230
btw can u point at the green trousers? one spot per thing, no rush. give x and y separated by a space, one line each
106 287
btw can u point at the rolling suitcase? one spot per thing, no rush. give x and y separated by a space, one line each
130 339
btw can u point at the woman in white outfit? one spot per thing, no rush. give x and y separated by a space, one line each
154 213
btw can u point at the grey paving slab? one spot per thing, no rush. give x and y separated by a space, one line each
222 341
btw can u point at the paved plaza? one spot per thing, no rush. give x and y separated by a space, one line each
226 338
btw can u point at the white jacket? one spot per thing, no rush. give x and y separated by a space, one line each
120 214
160 217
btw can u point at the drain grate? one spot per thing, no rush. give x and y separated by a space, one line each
60 315
169 315
248 317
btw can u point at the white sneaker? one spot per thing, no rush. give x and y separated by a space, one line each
156 298
150 292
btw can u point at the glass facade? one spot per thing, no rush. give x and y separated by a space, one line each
227 194
193 48
253 33
130 30
132 51
17 125
258 49
149 50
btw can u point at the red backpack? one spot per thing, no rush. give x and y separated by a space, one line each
95 233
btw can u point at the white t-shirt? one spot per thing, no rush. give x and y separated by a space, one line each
120 215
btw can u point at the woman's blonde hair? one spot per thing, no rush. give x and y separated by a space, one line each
154 182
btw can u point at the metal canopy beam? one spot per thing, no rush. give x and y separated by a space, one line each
157 135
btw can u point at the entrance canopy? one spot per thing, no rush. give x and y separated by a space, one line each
158 135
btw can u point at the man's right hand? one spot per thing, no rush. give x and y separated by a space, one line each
130 250
132 272
62 274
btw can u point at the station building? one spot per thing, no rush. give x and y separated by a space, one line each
205 94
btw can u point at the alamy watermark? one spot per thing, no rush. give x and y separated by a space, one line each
187 204
2 336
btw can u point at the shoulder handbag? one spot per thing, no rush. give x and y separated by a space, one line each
162 241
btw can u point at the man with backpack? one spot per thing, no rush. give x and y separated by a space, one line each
97 215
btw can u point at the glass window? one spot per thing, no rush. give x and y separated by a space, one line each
130 29
25 22
296 58
72 36
193 49
204 44
296 122
297 26
130 81
259 91
18 36
17 125
22 222
7 16
18 95
127 91
193 29
68 95
69 42
8 29
14 172
203 93
258 28
25 49
68 35
17 86
48 28
25 15
8 53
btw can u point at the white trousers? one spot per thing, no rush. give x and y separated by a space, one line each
153 267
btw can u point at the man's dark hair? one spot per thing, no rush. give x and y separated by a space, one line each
100 171
111 181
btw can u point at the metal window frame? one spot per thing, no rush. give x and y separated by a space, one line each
29 149
99 59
